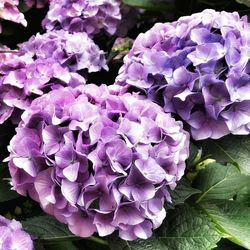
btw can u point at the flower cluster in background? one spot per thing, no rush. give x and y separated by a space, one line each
10 12
84 16
75 51
43 63
198 68
99 160
12 235
22 79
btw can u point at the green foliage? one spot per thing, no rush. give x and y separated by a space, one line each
5 193
189 228
182 192
244 195
193 154
233 149
246 2
68 245
46 228
217 181
153 243
23 7
185 228
232 219
152 5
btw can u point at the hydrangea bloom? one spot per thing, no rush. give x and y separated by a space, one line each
6 54
22 79
98 160
197 67
75 51
12 235
83 15
10 12
43 63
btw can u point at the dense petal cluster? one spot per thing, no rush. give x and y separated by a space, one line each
83 15
197 67
43 63
99 160
74 51
22 79
12 235
10 12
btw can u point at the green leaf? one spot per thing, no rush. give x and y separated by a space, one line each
225 244
66 245
6 193
213 3
190 229
243 195
182 192
23 7
246 2
46 228
217 181
152 243
153 5
233 149
232 219
185 227
193 152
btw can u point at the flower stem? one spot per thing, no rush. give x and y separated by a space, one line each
98 240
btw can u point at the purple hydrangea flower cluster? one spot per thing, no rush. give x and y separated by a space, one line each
12 236
99 160
22 79
43 63
83 16
75 51
197 67
10 12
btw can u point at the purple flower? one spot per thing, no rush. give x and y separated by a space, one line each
12 235
23 78
10 12
99 160
75 51
83 16
45 62
198 68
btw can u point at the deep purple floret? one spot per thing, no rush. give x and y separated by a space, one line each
99 160
198 68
